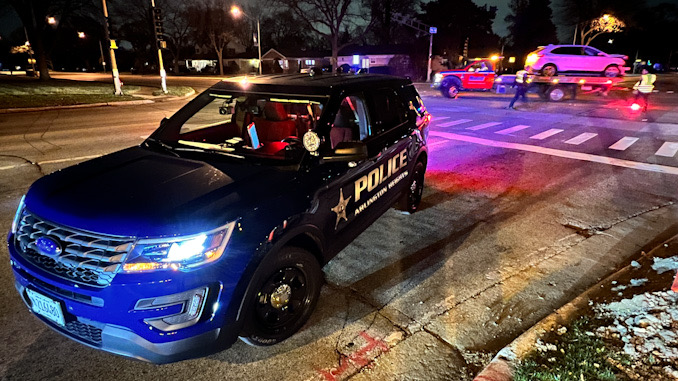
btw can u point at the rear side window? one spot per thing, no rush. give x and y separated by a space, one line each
413 101
388 110
570 50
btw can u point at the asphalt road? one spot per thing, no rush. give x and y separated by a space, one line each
522 211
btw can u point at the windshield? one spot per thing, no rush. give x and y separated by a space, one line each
264 128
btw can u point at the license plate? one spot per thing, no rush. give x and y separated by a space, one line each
46 306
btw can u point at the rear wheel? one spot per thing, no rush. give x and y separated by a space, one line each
612 71
411 198
549 70
286 290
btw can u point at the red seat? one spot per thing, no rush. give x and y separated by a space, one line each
275 125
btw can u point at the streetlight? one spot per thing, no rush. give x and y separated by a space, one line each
81 34
237 12
51 20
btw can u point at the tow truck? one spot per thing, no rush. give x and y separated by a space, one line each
481 75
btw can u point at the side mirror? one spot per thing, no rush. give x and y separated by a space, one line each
347 151
163 121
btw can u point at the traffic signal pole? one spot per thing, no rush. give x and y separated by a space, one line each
157 22
423 29
114 65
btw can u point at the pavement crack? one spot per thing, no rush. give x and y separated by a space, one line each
590 231
26 161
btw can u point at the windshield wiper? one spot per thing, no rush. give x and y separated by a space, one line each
207 147
164 145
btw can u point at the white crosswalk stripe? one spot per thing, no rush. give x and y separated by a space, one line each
623 143
454 123
581 138
668 149
484 125
437 118
511 130
546 134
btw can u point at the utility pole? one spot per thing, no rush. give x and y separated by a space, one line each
103 60
160 42
112 46
421 28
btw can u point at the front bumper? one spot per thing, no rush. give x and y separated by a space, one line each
106 318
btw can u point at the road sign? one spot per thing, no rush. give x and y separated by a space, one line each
433 30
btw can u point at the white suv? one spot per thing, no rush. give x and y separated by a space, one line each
574 59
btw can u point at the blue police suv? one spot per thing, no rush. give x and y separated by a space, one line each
217 226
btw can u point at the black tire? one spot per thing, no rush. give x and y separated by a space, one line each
411 198
612 71
556 93
450 89
285 292
549 70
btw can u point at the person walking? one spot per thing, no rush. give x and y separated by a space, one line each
643 88
521 88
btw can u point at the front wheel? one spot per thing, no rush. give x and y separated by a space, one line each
450 90
410 200
286 290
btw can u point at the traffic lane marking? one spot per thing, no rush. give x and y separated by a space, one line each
560 153
581 138
511 130
624 143
668 149
454 123
484 125
57 161
546 134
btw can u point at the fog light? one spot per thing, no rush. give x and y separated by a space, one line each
192 304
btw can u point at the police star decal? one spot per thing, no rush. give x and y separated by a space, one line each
340 209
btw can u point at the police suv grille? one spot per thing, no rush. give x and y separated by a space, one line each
87 258
84 331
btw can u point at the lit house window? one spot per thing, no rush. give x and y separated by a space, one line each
310 62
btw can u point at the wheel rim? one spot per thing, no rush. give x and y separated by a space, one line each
549 71
453 91
416 189
557 94
283 298
612 71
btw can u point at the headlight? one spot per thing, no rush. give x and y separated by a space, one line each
17 216
178 253
438 77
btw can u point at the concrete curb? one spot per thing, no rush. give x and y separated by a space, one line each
101 104
502 365
86 105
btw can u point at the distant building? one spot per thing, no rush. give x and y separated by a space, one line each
286 60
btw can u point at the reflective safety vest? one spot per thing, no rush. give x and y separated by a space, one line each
646 83
521 75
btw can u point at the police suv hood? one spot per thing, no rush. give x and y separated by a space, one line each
137 192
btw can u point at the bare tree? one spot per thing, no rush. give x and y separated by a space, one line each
331 19
177 28
33 15
215 25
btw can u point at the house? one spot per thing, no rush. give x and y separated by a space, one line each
287 60
385 59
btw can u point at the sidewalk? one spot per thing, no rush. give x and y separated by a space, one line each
633 312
